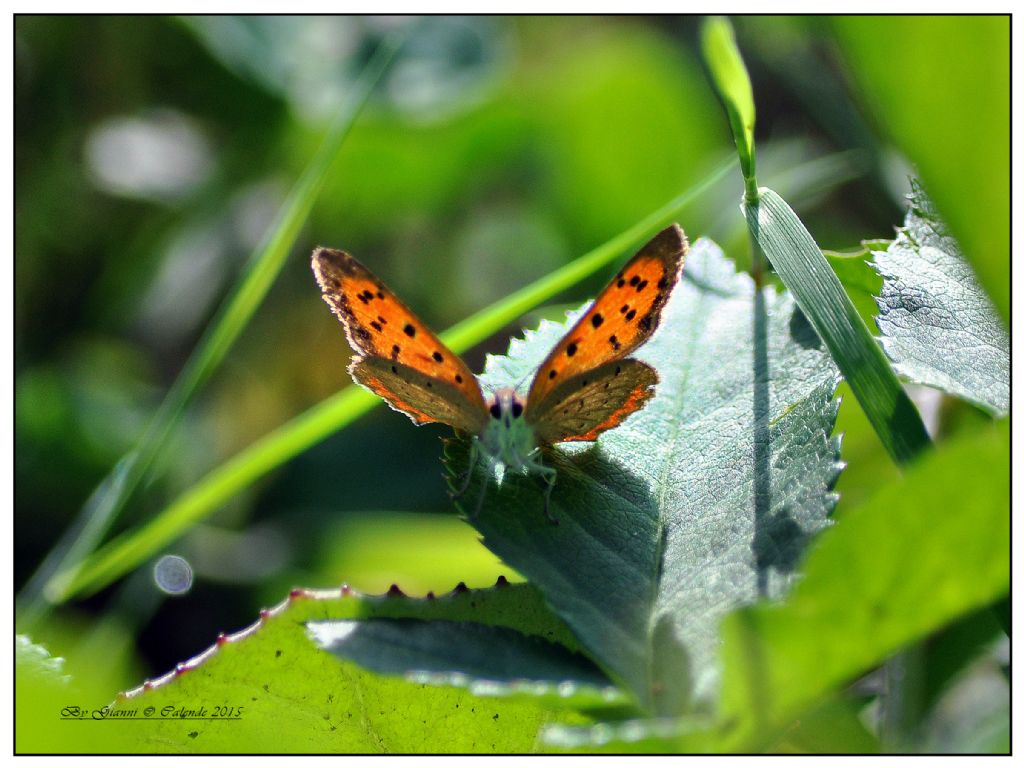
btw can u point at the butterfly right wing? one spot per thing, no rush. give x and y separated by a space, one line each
397 357
623 316
584 406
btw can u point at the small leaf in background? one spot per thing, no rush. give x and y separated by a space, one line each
938 326
926 549
861 282
698 503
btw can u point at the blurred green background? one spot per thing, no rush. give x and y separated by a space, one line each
152 153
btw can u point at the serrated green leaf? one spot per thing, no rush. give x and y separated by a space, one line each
485 660
296 698
779 233
700 502
938 326
859 601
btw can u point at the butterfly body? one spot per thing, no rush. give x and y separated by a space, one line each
508 439
585 386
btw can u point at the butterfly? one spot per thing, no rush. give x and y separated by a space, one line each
585 386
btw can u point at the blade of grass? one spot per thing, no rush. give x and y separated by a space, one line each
729 75
330 415
111 496
807 274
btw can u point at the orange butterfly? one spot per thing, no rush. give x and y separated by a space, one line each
585 386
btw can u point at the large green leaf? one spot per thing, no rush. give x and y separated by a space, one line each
938 325
926 549
698 503
296 698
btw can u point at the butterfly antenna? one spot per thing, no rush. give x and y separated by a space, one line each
530 374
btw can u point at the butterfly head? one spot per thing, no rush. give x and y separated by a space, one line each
507 438
505 406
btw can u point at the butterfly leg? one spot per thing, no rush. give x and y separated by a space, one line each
468 476
548 476
479 503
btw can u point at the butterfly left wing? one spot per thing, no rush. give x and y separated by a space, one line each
422 398
584 406
622 317
397 356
